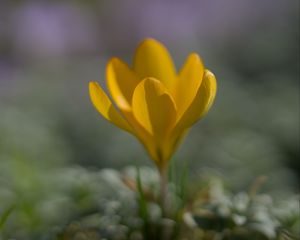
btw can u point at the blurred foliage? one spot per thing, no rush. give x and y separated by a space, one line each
213 213
245 215
86 204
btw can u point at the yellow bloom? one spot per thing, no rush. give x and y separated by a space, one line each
153 102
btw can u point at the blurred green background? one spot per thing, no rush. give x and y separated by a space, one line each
50 133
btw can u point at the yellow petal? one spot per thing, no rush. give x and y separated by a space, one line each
104 106
142 135
152 59
202 102
121 82
190 78
153 107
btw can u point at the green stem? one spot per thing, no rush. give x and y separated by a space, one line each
163 189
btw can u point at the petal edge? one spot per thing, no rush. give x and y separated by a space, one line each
121 82
152 59
105 107
190 78
153 106
202 102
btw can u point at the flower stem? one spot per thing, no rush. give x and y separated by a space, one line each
163 189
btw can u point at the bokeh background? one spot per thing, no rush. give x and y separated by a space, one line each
50 134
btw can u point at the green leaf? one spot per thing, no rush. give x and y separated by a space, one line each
7 212
142 200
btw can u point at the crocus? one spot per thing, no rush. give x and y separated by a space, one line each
152 101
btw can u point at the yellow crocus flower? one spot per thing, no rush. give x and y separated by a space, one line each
152 101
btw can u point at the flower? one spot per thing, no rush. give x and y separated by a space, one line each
153 102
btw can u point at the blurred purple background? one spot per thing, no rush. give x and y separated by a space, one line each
52 29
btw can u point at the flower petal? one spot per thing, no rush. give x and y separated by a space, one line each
104 106
121 82
201 104
190 78
153 107
152 59
142 135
